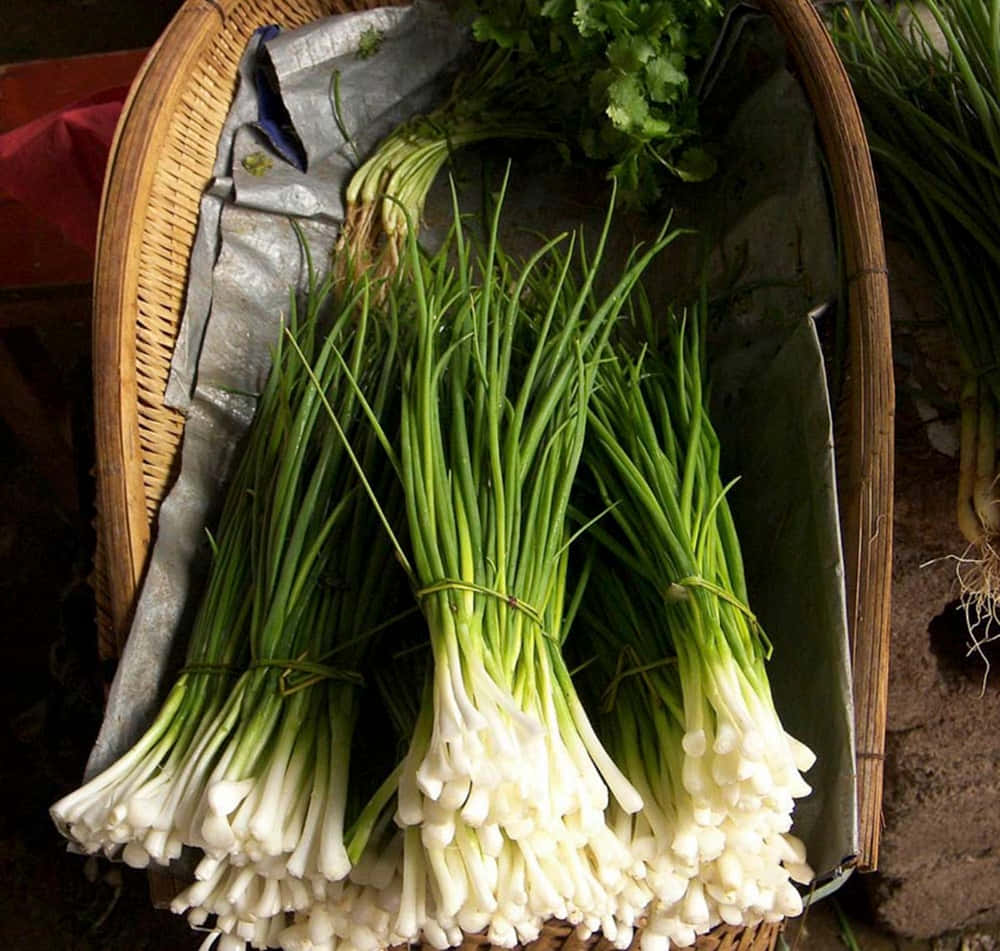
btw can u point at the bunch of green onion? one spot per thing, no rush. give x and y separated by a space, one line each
496 99
249 759
428 465
927 78
501 798
680 657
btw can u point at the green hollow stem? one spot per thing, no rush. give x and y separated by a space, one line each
932 111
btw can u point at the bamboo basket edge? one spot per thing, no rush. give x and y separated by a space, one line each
135 432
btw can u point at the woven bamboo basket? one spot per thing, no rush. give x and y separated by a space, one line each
160 163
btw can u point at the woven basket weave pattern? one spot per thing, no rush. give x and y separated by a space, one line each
558 936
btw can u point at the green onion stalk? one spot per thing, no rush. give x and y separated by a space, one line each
691 717
927 78
493 100
499 821
123 811
258 781
285 807
608 82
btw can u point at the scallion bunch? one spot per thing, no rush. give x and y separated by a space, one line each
680 656
378 738
501 799
249 759
927 77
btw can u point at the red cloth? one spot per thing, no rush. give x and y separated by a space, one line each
55 164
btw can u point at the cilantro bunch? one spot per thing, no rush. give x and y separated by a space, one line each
608 80
621 71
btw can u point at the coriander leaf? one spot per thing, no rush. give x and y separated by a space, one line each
654 18
587 17
506 35
257 164
695 165
627 107
616 15
370 42
593 17
628 53
678 42
655 127
664 80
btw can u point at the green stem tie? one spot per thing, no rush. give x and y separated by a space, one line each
210 669
315 673
676 592
610 696
451 584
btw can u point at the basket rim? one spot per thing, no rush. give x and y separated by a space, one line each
865 479
123 528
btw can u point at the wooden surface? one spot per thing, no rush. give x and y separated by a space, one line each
122 524
866 418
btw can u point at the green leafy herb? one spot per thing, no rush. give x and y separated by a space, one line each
607 80
634 58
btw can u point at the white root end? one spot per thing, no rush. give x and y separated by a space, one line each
978 574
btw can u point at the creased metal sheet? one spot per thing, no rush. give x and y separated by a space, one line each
198 301
772 412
